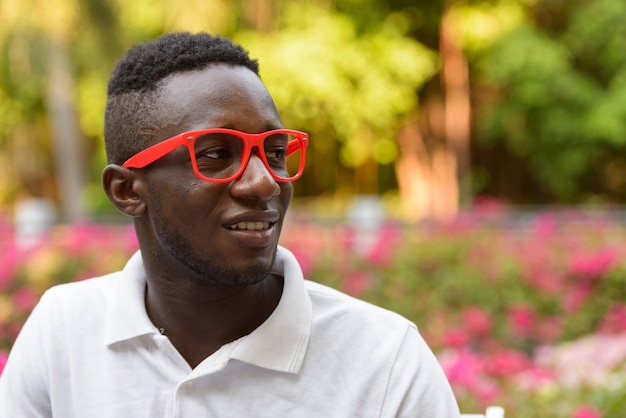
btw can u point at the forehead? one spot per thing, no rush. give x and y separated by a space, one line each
217 96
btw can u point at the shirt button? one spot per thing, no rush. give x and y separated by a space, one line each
188 387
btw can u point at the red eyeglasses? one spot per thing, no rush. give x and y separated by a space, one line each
221 155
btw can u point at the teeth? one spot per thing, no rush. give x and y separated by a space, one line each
250 226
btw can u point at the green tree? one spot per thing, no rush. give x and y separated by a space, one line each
44 137
349 89
384 87
551 117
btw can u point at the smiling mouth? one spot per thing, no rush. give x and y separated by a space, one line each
250 226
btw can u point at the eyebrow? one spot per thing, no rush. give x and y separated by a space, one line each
268 127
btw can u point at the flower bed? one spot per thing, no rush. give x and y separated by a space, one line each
527 312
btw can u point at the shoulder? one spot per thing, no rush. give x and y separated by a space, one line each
97 293
338 316
90 292
75 307
377 345
332 301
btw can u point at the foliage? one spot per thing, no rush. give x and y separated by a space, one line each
350 90
548 86
516 306
554 90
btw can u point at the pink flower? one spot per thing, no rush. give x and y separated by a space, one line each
522 319
79 237
462 368
131 238
24 299
346 237
3 360
592 266
9 262
546 226
549 328
303 257
505 363
382 250
538 266
356 283
615 320
586 411
477 320
575 297
585 362
456 338
535 378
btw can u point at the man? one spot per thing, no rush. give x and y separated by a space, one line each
211 318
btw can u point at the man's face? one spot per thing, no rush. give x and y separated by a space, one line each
225 233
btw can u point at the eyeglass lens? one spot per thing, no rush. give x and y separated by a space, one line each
220 155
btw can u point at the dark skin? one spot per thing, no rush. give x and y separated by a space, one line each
207 284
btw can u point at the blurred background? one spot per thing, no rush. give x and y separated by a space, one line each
482 143
426 104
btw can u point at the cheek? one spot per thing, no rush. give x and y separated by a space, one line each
172 194
286 194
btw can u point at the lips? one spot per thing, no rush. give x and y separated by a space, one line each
253 233
252 221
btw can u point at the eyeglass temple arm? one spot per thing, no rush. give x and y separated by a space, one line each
294 146
153 153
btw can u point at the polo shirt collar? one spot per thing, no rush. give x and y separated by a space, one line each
127 317
279 343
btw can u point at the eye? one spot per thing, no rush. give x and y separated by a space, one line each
276 148
216 153
276 154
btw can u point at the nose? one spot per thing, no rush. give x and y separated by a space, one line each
255 182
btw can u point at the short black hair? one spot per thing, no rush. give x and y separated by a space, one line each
133 89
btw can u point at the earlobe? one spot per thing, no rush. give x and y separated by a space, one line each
124 188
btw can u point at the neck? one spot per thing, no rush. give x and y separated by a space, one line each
199 320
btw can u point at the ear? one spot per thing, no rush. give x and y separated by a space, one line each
125 189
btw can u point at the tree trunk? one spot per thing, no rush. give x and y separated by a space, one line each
65 132
455 79
433 169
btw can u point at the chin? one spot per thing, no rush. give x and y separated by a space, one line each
229 273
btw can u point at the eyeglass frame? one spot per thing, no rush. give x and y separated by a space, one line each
250 141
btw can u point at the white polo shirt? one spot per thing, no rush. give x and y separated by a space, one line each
90 350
